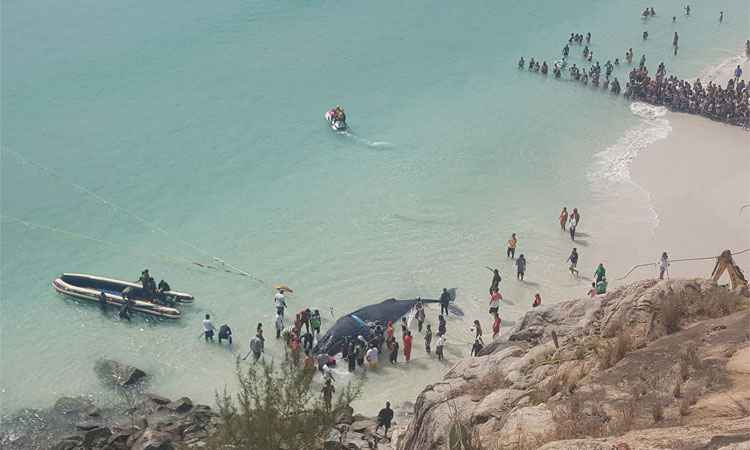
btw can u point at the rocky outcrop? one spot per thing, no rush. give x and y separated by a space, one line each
625 368
117 373
154 423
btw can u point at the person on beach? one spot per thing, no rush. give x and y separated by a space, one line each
225 333
563 218
496 326
372 358
439 345
600 273
477 329
573 259
393 351
512 242
419 315
520 267
495 298
315 322
280 302
307 341
663 265
407 346
279 324
477 346
404 326
352 357
537 301
208 328
445 299
327 392
428 339
441 325
738 73
572 228
385 416
496 279
389 330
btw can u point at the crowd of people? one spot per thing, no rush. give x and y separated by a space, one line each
729 104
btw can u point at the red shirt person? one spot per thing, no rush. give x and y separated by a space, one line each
407 346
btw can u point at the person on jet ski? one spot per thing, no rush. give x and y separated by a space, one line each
339 115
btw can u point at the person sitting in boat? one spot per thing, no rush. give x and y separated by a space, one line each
161 296
148 283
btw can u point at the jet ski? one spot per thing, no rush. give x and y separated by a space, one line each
336 119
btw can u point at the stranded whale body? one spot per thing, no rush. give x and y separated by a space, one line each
364 321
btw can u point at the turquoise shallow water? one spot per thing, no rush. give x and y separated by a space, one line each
206 121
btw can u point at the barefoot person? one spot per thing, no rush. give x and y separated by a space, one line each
573 259
385 416
521 267
512 242
563 218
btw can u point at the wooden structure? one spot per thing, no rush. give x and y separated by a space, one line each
725 263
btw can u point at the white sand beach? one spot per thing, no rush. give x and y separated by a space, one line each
698 178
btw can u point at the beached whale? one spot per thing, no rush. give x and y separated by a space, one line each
360 322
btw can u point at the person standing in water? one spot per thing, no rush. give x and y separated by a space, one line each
103 301
407 346
419 315
280 302
663 265
563 218
445 299
440 344
208 328
428 339
721 16
521 267
495 298
512 242
573 259
687 10
496 279
675 39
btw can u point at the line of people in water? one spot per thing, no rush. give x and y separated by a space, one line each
729 104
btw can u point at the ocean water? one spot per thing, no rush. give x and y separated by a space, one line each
161 135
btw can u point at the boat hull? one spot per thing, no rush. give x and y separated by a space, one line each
66 285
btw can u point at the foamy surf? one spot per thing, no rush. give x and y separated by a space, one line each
613 164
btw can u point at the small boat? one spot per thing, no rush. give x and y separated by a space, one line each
336 125
90 287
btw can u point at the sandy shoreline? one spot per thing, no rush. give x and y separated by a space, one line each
698 179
